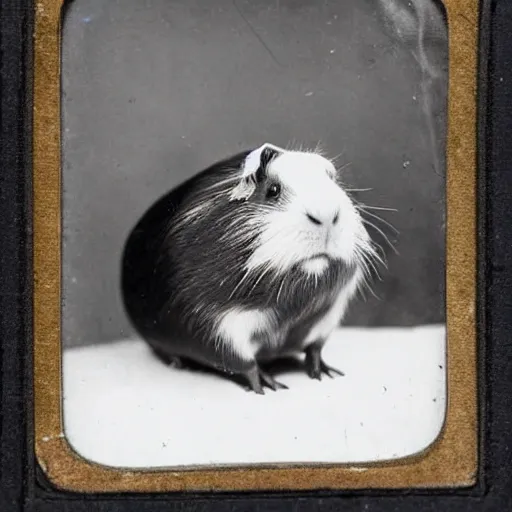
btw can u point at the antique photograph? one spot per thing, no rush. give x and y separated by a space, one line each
253 231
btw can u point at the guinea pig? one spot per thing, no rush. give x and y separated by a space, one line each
253 259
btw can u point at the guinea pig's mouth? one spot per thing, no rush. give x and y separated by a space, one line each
319 256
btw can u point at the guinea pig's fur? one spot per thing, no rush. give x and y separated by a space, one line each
255 258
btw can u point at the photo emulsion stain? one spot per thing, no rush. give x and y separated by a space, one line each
253 231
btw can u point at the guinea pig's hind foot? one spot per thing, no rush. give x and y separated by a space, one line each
315 365
257 379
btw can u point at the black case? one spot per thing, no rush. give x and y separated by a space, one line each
22 483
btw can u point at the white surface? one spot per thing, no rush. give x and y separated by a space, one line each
123 407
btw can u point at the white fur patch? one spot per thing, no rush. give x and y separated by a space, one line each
331 320
242 191
288 235
315 267
237 328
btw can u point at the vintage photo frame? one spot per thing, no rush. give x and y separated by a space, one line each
39 466
453 458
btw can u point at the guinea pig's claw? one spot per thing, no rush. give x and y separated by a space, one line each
258 378
329 370
316 367
315 373
271 382
258 390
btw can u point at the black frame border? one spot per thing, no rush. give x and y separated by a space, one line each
24 486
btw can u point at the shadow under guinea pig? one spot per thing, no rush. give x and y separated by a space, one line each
281 366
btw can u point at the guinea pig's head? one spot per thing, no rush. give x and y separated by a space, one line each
303 215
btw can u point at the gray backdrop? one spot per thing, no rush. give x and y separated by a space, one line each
155 90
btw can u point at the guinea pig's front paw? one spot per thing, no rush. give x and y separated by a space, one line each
257 379
272 383
315 365
315 372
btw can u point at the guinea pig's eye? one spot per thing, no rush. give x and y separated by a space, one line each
273 191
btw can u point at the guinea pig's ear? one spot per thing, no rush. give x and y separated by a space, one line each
254 170
267 155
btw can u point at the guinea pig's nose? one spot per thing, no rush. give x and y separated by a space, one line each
319 221
314 220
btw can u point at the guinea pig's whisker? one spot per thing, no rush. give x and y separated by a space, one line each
344 166
382 220
371 290
363 206
363 286
369 255
385 222
364 283
377 259
337 156
319 148
369 264
366 221
367 285
378 246
358 189
374 268
372 253
291 145
366 207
